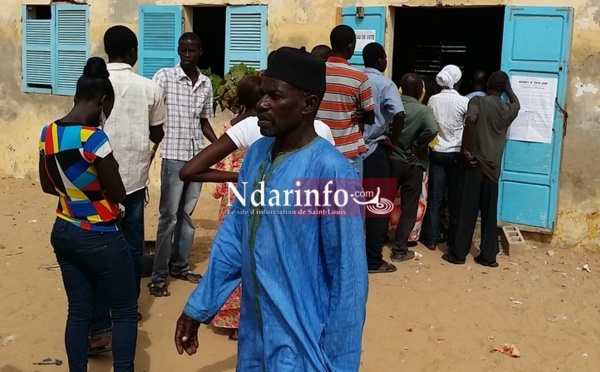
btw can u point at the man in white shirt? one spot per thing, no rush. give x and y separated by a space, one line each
136 120
189 99
240 136
450 109
247 131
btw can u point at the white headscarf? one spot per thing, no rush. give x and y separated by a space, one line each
449 76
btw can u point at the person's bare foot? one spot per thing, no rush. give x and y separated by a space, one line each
99 342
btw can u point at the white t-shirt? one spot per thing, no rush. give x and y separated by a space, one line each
247 131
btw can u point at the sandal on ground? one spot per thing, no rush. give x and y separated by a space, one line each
187 275
485 263
234 336
384 268
158 289
99 346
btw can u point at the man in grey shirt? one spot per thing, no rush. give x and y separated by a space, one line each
484 137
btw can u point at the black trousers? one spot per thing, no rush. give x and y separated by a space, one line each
410 182
478 192
376 165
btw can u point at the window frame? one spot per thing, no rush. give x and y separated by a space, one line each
53 48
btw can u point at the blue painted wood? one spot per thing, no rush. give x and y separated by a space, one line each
374 19
72 46
37 46
246 36
537 42
160 27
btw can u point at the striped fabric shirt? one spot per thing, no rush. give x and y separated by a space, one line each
347 90
70 151
186 105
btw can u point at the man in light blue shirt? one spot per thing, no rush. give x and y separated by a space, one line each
479 84
376 163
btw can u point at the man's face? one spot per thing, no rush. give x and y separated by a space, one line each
383 62
189 53
132 57
352 47
280 108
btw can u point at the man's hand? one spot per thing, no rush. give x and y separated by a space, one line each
469 159
186 335
359 116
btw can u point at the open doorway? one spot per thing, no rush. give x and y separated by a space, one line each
426 39
209 24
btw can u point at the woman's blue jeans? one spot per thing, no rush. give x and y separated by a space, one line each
91 261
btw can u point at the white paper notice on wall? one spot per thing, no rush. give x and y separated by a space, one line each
537 97
364 37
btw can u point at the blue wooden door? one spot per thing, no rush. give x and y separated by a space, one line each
536 44
160 29
246 36
372 24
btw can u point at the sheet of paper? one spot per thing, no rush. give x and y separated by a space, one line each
364 37
537 96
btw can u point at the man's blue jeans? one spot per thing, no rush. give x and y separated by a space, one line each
357 164
96 261
175 233
444 173
133 231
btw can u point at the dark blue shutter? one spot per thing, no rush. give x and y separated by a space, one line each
37 54
160 30
72 51
246 36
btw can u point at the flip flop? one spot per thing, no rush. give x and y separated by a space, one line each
385 268
187 275
159 289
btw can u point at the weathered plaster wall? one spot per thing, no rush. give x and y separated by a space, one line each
308 22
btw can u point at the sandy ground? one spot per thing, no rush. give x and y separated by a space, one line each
427 316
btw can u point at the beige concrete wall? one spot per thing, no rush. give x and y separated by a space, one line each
307 22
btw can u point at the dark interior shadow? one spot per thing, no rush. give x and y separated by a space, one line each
224 365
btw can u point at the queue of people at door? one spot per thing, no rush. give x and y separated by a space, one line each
307 116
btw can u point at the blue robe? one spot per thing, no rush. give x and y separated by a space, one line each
304 278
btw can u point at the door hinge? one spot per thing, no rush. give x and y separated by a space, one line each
565 116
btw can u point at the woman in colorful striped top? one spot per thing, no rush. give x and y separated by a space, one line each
77 165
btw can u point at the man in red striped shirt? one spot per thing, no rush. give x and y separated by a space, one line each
348 89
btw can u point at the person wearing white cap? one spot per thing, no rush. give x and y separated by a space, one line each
449 108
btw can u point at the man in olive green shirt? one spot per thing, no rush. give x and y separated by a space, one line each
410 159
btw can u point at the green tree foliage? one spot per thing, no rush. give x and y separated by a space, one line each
225 88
